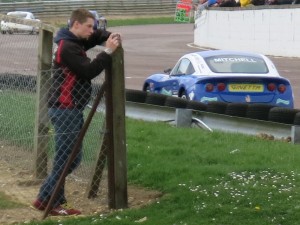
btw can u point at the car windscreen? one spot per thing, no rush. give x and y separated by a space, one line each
236 64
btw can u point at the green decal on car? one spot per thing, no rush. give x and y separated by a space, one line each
207 99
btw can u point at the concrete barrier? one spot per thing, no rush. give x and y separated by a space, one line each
270 30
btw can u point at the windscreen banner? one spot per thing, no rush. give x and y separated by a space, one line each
184 11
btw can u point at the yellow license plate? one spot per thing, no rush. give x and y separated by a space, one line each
246 88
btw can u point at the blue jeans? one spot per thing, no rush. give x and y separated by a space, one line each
67 124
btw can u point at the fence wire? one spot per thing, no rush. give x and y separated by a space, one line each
18 96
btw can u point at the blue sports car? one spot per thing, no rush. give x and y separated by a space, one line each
226 76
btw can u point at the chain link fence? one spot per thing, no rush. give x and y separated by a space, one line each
27 138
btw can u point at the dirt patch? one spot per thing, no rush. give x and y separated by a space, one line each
19 184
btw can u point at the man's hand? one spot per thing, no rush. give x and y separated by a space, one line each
113 41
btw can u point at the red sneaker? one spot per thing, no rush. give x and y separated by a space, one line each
64 210
39 204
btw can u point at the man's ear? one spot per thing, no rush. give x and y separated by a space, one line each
75 24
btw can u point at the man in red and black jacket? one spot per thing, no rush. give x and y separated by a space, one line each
69 93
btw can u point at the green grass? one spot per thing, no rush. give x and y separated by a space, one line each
205 178
17 122
208 178
16 119
137 21
140 21
7 203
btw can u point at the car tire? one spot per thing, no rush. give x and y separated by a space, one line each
18 82
135 95
184 95
3 32
259 111
283 115
155 98
236 109
146 88
196 106
297 119
175 102
216 107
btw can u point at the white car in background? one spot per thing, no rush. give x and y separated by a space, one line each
10 27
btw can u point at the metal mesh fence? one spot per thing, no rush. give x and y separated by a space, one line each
18 160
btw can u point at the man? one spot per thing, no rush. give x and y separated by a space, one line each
69 93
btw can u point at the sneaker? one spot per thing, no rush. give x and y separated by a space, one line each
40 204
64 210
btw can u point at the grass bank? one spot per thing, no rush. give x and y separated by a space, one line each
114 22
208 178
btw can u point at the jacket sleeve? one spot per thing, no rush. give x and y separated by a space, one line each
97 38
75 59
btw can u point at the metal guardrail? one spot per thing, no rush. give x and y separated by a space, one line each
57 9
215 121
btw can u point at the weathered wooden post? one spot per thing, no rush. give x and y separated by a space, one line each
115 124
41 137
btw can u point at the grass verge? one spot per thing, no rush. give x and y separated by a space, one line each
140 21
114 22
208 178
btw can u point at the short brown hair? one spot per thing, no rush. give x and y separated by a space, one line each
81 15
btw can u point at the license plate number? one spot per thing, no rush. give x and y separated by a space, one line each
246 88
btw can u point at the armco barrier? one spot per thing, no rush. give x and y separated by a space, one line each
216 115
215 121
57 9
225 120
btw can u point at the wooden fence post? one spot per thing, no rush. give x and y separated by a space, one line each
41 130
115 122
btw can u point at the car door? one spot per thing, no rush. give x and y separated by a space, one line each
178 76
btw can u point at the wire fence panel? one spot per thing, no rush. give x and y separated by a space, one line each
18 95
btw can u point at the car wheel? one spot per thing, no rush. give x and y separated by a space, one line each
10 32
3 32
135 95
184 95
283 115
176 102
236 109
146 88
